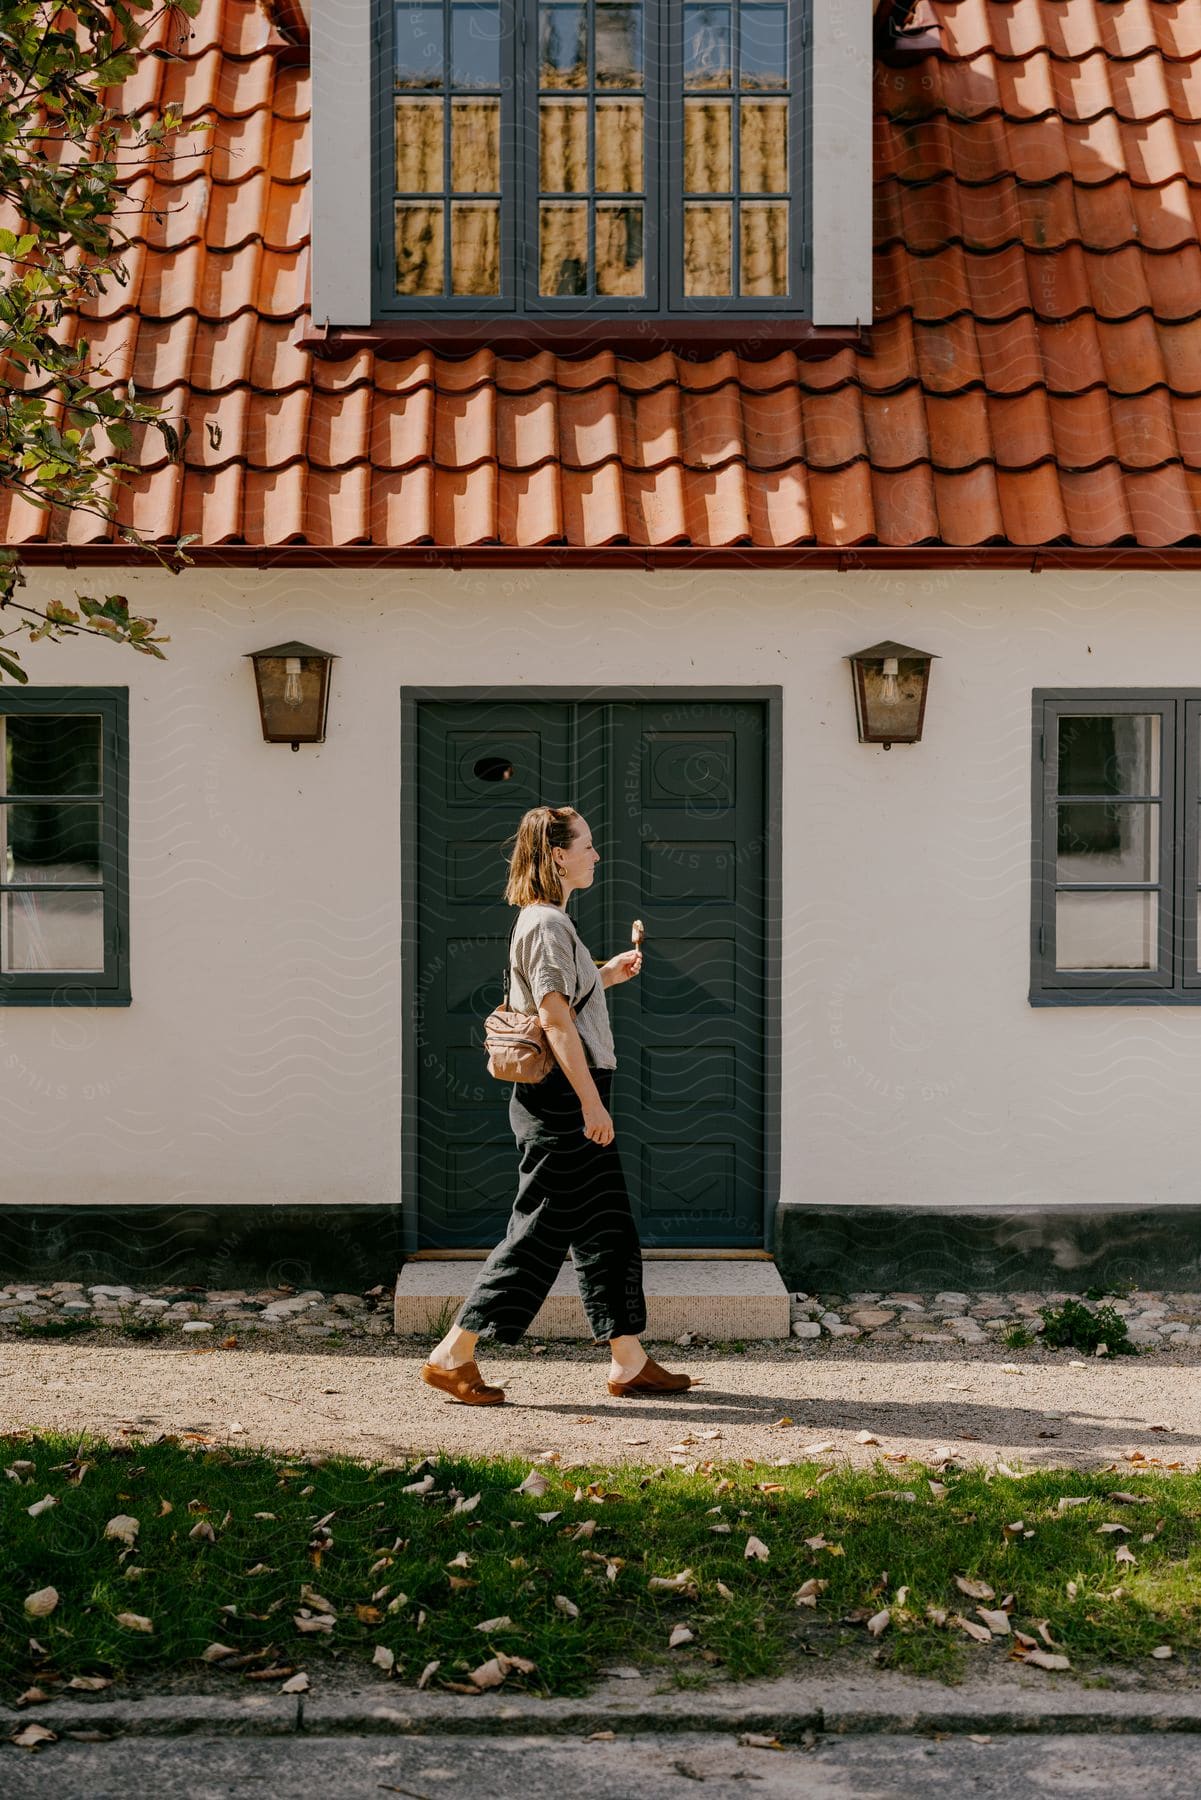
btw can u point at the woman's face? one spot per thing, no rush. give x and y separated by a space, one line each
576 865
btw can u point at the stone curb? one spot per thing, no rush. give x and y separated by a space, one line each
883 1704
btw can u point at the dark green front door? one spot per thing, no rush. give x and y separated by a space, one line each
674 793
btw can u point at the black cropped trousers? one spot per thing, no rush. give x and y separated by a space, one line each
571 1194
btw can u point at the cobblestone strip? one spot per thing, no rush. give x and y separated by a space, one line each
196 1311
1154 1319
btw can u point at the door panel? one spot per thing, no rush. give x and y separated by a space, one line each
674 794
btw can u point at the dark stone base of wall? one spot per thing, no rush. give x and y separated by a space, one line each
339 1249
840 1249
843 1249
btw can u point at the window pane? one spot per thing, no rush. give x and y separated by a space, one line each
52 931
475 46
763 247
53 753
475 247
419 267
707 47
763 42
1101 842
619 146
475 146
419 146
708 152
419 53
1105 931
619 258
1113 753
563 129
763 147
563 248
51 843
707 248
563 46
618 46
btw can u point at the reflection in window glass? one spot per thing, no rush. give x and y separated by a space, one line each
707 58
1106 931
53 933
419 47
563 248
708 248
619 249
1109 753
447 145
1100 841
763 47
593 147
51 833
734 148
475 46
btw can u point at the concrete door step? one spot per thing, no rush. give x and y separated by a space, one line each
717 1300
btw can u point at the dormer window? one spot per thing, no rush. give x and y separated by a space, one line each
650 174
599 156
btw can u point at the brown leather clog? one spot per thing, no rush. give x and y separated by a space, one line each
464 1383
651 1379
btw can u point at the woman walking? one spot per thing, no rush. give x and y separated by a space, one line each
570 1191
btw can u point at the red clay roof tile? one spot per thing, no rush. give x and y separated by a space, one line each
1033 372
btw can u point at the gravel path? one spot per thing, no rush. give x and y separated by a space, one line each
292 1395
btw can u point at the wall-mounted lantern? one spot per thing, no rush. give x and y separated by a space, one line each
890 683
293 684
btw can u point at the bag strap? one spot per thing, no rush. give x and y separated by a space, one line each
576 1005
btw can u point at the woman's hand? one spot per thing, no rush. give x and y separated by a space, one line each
622 968
598 1126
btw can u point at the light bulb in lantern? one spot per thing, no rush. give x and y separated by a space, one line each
292 694
888 687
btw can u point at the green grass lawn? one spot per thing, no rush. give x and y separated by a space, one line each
233 1549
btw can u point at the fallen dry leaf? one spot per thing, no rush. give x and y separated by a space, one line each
30 1736
1124 1554
1043 1659
535 1484
866 1437
807 1593
90 1684
761 1740
997 1622
134 1622
979 1632
879 1622
671 1584
937 1489
461 1561
503 1623
757 1548
817 1449
1162 1652
431 1668
297 1684
217 1652
975 1590
725 1592
40 1506
567 1606
383 1658
680 1635
41 1604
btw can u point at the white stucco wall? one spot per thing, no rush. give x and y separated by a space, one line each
260 1058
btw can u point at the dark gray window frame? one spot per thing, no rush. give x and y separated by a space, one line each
109 987
1176 982
665 301
771 698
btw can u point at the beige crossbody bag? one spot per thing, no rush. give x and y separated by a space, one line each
514 1042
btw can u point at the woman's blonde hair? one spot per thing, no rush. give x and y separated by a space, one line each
532 872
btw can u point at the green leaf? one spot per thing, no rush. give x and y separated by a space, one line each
11 667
